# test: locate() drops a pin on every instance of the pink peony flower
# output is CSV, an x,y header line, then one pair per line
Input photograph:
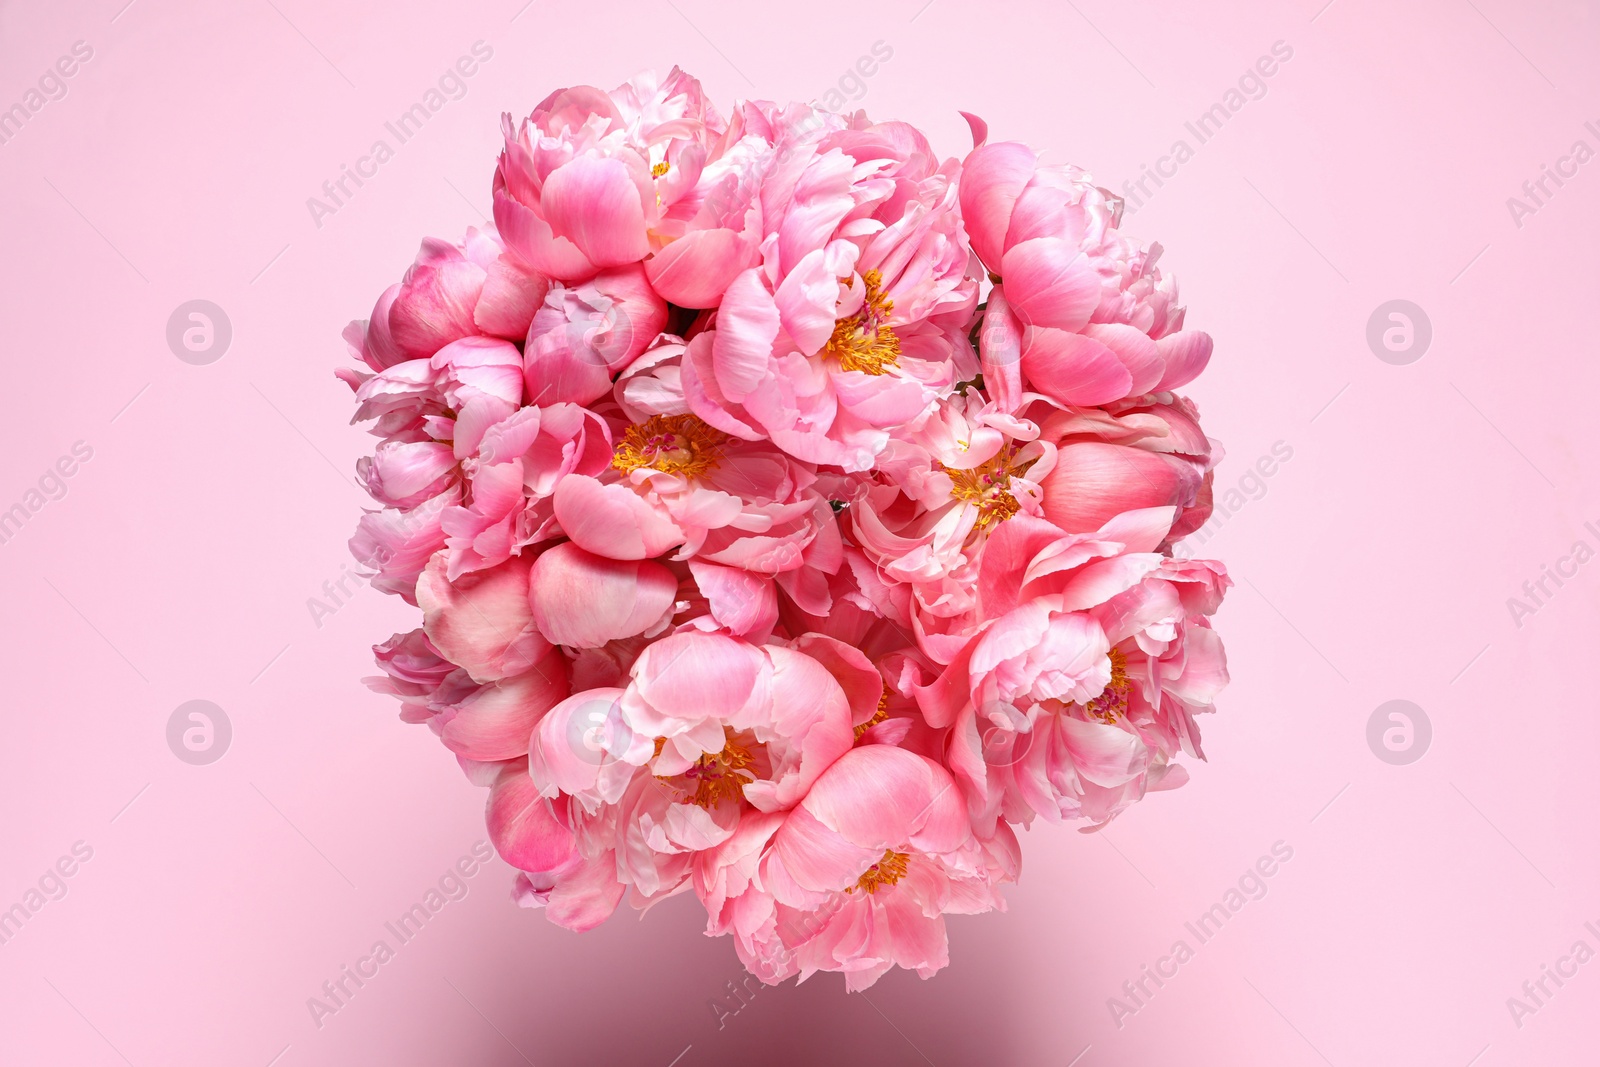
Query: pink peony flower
x,y
519,462
858,877
449,293
856,318
676,485
413,671
1128,457
403,474
586,178
670,766
586,332
1085,311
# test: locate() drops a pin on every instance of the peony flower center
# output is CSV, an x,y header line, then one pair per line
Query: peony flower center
x,y
865,341
887,871
1113,701
660,168
877,716
987,488
672,444
715,776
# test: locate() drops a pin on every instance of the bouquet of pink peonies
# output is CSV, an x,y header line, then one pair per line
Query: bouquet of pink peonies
x,y
791,517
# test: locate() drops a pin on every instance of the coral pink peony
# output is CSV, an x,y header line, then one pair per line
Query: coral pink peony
x,y
855,320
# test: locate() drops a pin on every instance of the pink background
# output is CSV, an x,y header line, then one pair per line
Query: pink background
x,y
1376,566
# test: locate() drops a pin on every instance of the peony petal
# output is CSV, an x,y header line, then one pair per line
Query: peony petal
x,y
1000,352
877,797
814,857
693,676
1092,482
747,325
979,128
594,203
582,600
1185,354
574,740
1205,667
1139,530
481,621
585,896
523,828
742,602
435,303
696,269
806,300
496,721
511,294
1073,369
992,178
1050,283
807,703
1106,755
612,520
531,236
1136,351
862,684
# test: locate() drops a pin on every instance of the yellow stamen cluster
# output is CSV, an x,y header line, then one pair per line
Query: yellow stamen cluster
x,y
715,776
1113,701
887,871
865,341
673,444
660,168
987,487
877,716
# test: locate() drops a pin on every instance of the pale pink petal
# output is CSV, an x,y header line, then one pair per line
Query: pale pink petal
x,y
563,369
511,294
978,127
1140,530
496,721
1205,667
693,676
1014,545
401,543
373,338
481,621
1000,351
1097,582
1185,354
876,796
586,895
1092,482
806,300
583,600
573,741
435,303
862,684
808,703
743,602
1104,754
747,324
531,236
612,520
814,857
